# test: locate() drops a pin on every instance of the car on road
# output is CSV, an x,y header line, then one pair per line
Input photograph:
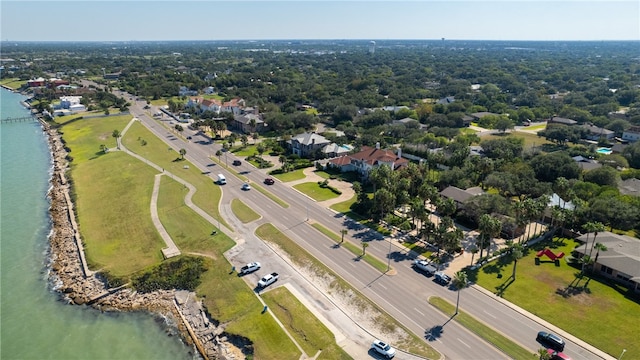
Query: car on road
x,y
246,187
269,181
237,162
424,266
188,137
550,341
383,348
558,355
442,278
249,268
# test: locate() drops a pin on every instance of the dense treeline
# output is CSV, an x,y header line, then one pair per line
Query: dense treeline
x,y
344,82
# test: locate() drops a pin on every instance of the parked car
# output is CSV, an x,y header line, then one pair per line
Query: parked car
x,y
425,267
269,181
188,137
551,341
237,162
249,268
442,278
246,187
558,355
383,348
268,280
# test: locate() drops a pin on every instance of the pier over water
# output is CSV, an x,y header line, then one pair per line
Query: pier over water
x,y
19,119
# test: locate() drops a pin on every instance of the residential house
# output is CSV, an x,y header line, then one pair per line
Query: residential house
x,y
630,187
36,82
560,120
446,100
112,76
368,158
586,164
620,262
334,150
185,91
71,103
395,109
234,106
480,115
460,196
632,134
245,124
209,90
307,144
596,133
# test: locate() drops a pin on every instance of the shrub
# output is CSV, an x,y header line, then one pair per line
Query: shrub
x,y
182,273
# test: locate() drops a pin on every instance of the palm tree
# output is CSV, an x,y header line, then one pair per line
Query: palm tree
x,y
245,140
365,245
489,228
183,152
343,232
252,124
516,254
598,246
460,281
596,228
473,250
544,354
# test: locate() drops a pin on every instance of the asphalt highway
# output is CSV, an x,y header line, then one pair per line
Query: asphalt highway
x,y
403,295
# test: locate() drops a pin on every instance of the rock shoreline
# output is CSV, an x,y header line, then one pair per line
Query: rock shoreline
x,y
180,309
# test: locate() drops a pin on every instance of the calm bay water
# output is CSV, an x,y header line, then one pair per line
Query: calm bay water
x,y
34,322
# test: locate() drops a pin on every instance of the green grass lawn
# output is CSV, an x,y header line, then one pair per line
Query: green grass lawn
x,y
13,83
112,195
245,151
290,176
530,140
316,192
207,195
409,342
588,313
243,212
345,206
309,332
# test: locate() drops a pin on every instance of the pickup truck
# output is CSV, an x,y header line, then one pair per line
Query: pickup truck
x,y
249,268
425,266
268,279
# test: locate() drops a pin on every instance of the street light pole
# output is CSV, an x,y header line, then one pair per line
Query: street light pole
x,y
307,209
623,351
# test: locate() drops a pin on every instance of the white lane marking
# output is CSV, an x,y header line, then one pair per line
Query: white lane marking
x,y
284,217
418,311
382,286
489,314
464,344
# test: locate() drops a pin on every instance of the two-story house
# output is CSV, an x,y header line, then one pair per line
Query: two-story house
x,y
307,144
368,158
632,134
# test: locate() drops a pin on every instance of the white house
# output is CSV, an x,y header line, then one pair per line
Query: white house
x,y
632,134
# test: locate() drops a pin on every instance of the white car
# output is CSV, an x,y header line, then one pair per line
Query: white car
x,y
246,187
249,268
383,348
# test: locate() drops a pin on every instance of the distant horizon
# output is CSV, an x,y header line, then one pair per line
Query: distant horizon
x,y
294,39
221,20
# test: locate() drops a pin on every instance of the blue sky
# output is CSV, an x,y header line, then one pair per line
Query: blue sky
x,y
305,19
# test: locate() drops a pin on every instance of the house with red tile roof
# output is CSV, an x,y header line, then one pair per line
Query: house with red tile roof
x,y
368,158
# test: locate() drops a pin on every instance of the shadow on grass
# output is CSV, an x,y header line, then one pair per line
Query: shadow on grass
x,y
503,287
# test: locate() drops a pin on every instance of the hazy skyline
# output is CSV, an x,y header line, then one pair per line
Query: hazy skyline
x,y
263,20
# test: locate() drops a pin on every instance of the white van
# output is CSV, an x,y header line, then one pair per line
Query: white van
x,y
221,179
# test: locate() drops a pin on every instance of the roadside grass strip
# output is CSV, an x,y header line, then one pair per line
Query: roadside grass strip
x,y
353,248
309,332
513,350
314,191
243,212
405,339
